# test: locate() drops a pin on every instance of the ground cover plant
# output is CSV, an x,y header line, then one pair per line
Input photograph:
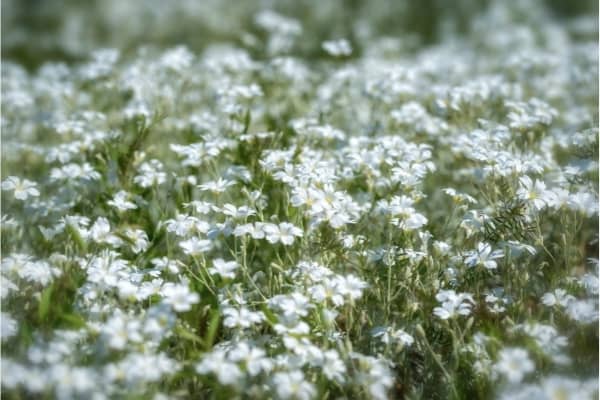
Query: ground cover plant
x,y
294,211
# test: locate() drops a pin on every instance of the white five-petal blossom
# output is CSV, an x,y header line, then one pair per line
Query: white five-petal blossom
x,y
22,188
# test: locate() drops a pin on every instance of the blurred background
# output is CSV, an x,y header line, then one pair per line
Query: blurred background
x,y
35,31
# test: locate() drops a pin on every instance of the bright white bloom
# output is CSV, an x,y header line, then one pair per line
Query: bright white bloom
x,y
71,382
138,238
100,232
225,269
290,325
164,264
186,225
22,189
351,286
514,364
291,385
558,297
120,330
584,311
216,187
495,304
149,174
8,326
453,304
327,290
177,59
237,212
216,362
39,272
195,246
106,269
534,192
150,288
333,367
6,287
74,171
257,230
459,197
389,335
484,256
140,368
120,201
374,375
565,388
292,306
252,357
340,47
590,283
241,318
284,233
179,296
547,338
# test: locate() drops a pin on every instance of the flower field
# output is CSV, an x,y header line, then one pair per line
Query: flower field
x,y
311,200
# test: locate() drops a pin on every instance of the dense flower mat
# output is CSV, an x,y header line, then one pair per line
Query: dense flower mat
x,y
380,221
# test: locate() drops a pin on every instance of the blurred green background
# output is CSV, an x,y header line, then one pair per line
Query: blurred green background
x,y
35,31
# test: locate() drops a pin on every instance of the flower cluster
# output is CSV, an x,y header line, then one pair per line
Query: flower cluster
x,y
292,212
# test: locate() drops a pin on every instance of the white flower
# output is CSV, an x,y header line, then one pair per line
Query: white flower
x,y
216,187
178,58
179,296
75,171
584,311
514,364
333,367
340,47
453,304
100,233
564,388
164,263
254,358
150,173
328,289
351,286
138,238
227,372
284,233
559,296
150,288
106,269
237,212
120,201
6,287
389,335
484,256
241,318
195,246
374,375
39,272
8,326
226,269
119,330
22,189
290,385
292,305
546,336
186,225
534,192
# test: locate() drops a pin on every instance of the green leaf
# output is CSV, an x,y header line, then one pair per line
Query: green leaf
x,y
189,335
247,120
74,320
45,298
211,332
